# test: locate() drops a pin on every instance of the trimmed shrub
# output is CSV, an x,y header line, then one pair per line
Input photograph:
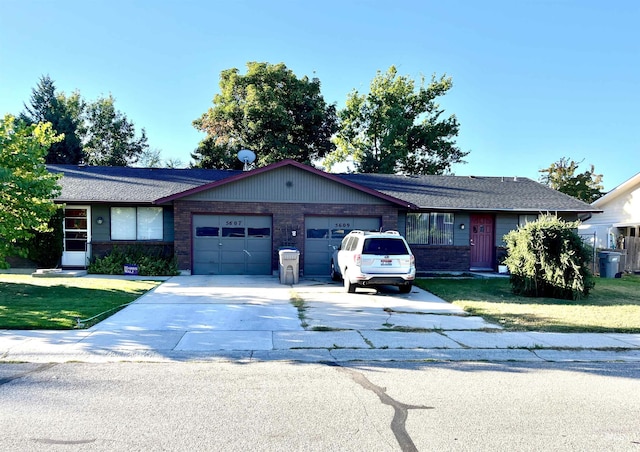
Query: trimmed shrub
x,y
149,262
45,248
547,258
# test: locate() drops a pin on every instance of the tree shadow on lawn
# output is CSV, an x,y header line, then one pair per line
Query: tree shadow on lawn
x,y
524,322
606,293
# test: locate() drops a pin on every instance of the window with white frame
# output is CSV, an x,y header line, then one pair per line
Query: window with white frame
x,y
430,228
149,223
524,219
136,223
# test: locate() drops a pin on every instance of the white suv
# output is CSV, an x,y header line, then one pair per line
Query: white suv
x,y
374,259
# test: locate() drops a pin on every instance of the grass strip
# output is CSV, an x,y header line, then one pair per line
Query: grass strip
x,y
57,303
613,306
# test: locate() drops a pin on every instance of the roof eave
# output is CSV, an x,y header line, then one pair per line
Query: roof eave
x,y
619,190
508,209
101,201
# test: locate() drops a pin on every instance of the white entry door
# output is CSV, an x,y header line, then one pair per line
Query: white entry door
x,y
77,230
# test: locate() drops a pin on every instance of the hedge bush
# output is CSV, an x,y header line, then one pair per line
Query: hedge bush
x,y
45,248
149,262
547,258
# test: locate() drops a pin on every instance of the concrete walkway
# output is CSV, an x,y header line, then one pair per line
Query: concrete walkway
x,y
253,318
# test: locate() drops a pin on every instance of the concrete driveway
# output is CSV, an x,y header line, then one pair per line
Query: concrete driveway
x,y
203,313
261,303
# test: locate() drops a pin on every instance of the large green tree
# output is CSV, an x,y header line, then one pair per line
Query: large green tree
x,y
210,154
28,189
398,128
93,132
152,158
65,115
563,176
270,111
110,138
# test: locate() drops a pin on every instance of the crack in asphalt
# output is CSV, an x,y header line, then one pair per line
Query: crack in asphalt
x,y
63,442
401,410
4,381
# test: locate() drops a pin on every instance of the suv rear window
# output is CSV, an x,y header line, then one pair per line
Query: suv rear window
x,y
384,246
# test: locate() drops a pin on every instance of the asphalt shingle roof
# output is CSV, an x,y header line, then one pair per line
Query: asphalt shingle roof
x,y
103,184
471,193
110,184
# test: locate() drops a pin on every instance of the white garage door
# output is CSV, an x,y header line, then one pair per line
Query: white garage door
x,y
324,234
231,245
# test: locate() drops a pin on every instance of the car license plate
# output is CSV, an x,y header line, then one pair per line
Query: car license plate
x,y
386,261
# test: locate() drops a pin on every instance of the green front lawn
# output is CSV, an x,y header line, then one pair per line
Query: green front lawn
x,y
56,303
612,306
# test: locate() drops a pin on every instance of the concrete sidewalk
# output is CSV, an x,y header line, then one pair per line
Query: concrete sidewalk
x,y
252,318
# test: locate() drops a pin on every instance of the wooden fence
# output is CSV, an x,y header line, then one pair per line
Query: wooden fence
x,y
632,248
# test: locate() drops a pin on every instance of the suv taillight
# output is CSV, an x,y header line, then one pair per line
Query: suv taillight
x,y
412,260
357,259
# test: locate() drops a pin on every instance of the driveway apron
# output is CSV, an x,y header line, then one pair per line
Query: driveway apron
x,y
197,313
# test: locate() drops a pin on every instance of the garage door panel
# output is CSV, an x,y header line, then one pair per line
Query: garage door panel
x,y
258,248
324,234
232,256
207,258
232,244
230,268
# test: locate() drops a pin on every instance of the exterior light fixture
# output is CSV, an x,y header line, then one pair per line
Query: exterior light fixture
x,y
99,220
461,225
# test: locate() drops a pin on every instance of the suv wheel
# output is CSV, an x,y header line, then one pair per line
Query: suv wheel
x,y
348,286
405,289
335,276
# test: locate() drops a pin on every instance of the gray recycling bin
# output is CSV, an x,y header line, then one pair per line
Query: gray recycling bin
x,y
609,263
289,265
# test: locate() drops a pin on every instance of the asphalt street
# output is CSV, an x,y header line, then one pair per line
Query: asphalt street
x,y
274,406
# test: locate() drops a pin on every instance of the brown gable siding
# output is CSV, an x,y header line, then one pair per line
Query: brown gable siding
x,y
286,184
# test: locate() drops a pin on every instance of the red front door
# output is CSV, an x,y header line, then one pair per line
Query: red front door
x,y
481,239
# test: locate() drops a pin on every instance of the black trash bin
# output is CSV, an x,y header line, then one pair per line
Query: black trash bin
x,y
609,263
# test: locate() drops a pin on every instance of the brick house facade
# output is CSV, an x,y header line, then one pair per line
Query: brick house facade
x,y
451,223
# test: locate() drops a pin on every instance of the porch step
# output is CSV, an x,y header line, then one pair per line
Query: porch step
x,y
57,273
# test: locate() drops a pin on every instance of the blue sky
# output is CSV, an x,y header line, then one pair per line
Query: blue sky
x,y
533,81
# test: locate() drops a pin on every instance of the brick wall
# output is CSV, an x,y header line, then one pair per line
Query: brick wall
x,y
441,258
286,218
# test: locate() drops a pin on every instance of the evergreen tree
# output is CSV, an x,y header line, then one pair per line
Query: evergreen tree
x,y
65,115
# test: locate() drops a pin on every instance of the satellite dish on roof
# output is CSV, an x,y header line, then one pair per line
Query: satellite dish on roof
x,y
247,157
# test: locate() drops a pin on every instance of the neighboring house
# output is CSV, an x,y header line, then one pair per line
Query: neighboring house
x,y
234,222
618,226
